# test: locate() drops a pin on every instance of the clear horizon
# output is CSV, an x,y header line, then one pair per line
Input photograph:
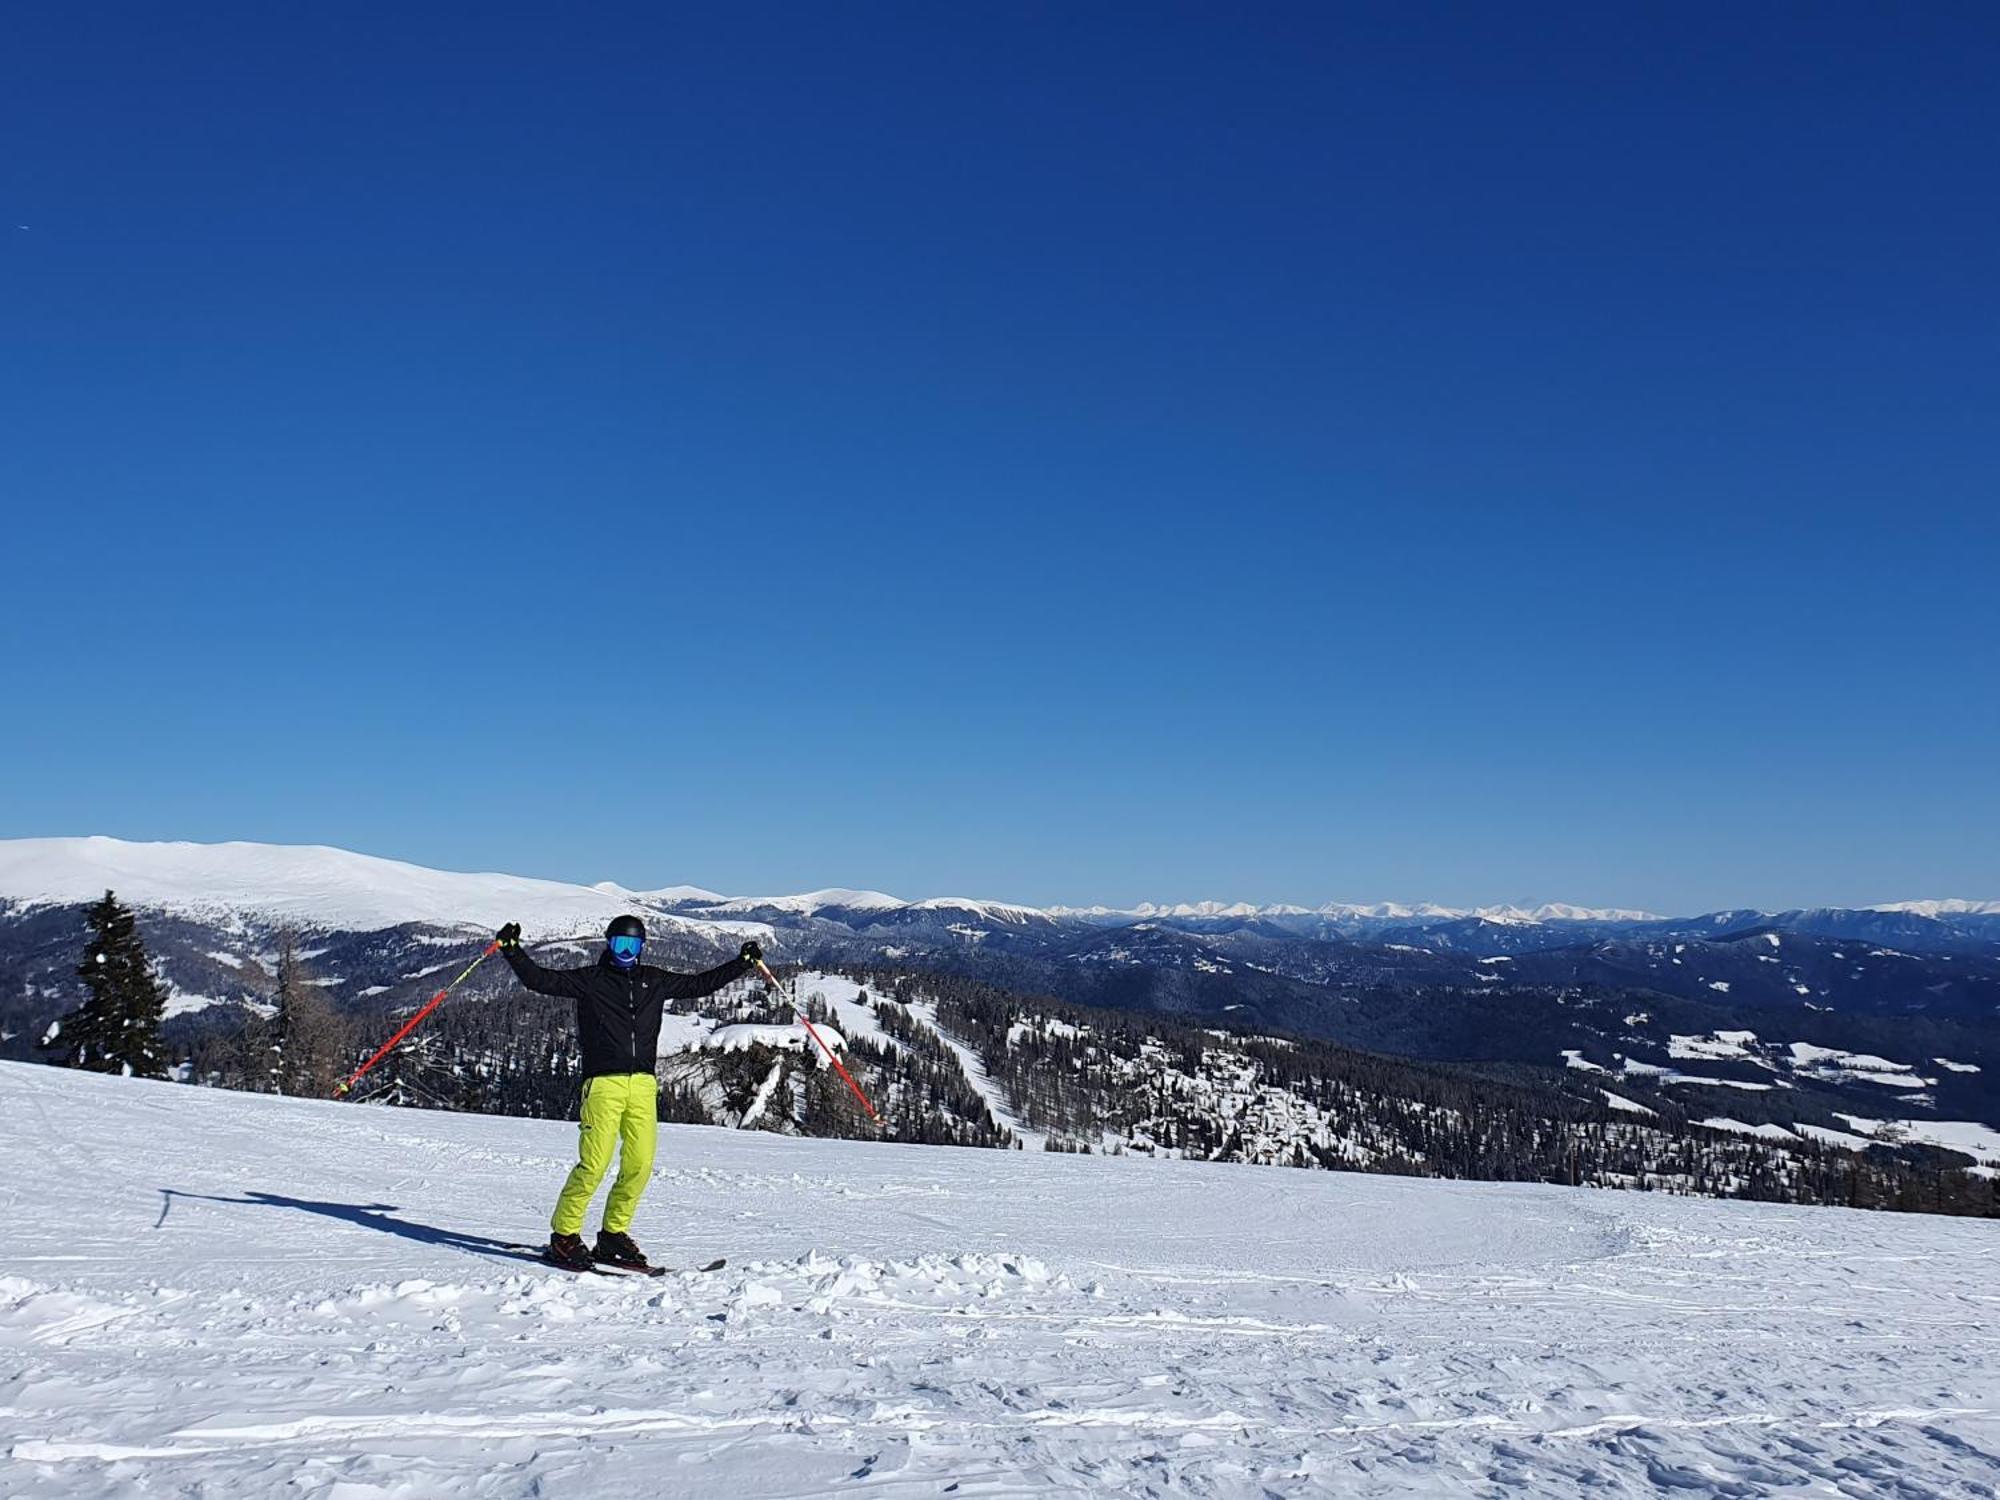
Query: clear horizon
x,y
1073,457
1407,900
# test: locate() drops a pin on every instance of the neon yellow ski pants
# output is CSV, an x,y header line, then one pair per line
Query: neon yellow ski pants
x,y
620,1113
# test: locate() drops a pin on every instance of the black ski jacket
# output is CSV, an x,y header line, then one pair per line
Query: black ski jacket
x,y
618,1010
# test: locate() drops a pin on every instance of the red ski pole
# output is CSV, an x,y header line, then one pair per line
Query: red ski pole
x,y
812,1031
411,1024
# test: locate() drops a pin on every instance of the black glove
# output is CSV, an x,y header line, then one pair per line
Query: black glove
x,y
750,953
509,936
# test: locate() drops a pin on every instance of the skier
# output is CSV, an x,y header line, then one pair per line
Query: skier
x,y
618,1004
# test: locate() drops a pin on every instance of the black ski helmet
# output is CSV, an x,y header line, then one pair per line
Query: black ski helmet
x,y
625,927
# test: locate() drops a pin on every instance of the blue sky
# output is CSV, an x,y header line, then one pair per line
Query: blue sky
x,y
1051,452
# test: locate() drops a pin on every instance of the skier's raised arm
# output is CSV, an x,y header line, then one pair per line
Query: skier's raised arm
x,y
708,981
566,984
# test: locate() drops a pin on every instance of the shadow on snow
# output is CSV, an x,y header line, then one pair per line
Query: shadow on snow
x,y
376,1216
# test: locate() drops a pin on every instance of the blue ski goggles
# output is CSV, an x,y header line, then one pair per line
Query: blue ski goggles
x,y
625,949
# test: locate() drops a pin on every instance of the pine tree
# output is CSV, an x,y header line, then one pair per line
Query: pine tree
x,y
259,1055
117,1028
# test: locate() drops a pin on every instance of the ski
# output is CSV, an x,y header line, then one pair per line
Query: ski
x,y
562,1265
613,1266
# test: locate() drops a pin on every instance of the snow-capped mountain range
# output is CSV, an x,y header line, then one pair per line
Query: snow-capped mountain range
x,y
332,887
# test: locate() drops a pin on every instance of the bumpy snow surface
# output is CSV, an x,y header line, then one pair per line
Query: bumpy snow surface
x,y
215,1294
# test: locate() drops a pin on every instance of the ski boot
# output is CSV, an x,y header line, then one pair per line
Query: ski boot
x,y
568,1251
618,1249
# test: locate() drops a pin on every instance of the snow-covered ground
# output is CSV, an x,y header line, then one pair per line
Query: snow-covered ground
x,y
214,1294
1980,1142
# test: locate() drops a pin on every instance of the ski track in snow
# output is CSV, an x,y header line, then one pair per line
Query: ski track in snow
x,y
207,1294
982,1083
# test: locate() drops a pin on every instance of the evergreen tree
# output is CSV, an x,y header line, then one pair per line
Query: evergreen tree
x,y
117,1028
260,1060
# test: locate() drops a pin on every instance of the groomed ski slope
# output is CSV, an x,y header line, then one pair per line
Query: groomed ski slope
x,y
217,1294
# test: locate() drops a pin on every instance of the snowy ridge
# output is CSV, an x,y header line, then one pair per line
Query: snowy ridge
x,y
998,911
1942,908
897,1321
1376,911
808,902
305,883
665,896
